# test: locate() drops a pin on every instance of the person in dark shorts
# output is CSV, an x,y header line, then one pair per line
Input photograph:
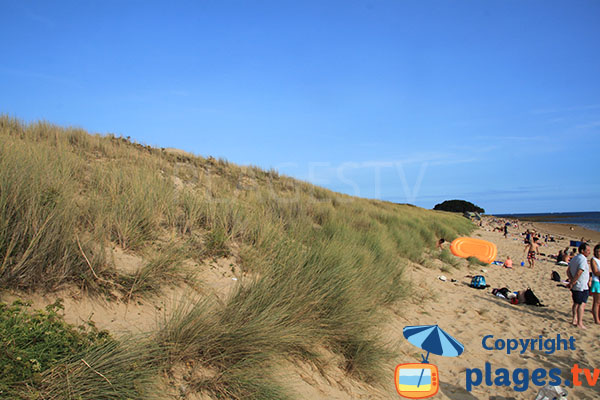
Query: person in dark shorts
x,y
579,275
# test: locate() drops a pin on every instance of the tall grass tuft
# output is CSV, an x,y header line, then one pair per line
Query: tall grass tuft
x,y
164,266
448,258
39,218
129,204
125,369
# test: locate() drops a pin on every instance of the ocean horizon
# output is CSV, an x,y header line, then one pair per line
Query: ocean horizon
x,y
589,219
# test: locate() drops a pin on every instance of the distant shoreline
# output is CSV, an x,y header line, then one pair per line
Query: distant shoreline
x,y
570,231
538,218
590,221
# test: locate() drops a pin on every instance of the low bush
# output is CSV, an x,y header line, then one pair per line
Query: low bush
x,y
43,357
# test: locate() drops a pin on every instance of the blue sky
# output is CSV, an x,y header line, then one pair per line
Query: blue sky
x,y
495,102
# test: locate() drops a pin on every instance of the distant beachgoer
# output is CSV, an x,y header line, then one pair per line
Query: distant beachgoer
x,y
440,243
573,254
532,250
579,276
562,257
505,230
595,289
508,263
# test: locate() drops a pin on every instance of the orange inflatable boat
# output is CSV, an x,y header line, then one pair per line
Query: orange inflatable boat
x,y
469,247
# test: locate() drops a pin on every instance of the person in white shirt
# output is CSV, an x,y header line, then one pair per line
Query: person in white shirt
x,y
579,276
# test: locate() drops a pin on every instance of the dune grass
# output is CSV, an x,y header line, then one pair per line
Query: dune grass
x,y
116,369
42,357
448,258
323,263
474,261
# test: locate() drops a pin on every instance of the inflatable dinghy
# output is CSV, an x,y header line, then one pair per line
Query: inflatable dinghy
x,y
466,247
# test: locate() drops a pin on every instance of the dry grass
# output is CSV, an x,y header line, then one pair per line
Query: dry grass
x,y
327,262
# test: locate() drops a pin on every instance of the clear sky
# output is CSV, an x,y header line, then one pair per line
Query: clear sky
x,y
494,102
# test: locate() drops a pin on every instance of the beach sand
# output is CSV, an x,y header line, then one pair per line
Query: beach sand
x,y
469,315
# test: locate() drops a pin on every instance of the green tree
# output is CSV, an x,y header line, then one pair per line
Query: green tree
x,y
458,206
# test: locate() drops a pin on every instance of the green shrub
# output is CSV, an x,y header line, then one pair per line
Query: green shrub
x,y
43,357
32,343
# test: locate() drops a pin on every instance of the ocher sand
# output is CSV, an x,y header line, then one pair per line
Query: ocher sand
x,y
470,314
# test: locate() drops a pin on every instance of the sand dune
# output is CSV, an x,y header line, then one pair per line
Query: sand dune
x,y
465,313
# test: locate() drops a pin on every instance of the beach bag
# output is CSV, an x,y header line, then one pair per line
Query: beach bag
x,y
555,276
531,299
478,282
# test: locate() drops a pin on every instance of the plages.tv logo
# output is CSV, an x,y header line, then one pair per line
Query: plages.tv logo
x,y
421,380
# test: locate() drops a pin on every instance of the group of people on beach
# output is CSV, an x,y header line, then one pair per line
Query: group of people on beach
x,y
583,274
584,277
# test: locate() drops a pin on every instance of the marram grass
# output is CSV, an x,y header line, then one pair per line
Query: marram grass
x,y
323,263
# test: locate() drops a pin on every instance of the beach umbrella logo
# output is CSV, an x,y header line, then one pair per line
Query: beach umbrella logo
x,y
421,380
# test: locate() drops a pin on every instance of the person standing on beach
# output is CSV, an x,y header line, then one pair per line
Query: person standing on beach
x,y
579,276
505,230
527,237
595,288
532,249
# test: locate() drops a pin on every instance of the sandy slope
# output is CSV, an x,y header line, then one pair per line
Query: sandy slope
x,y
465,313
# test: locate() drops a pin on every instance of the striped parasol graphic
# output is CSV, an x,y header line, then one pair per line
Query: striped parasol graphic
x,y
432,339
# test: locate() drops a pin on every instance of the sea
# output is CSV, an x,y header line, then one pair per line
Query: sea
x,y
589,220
